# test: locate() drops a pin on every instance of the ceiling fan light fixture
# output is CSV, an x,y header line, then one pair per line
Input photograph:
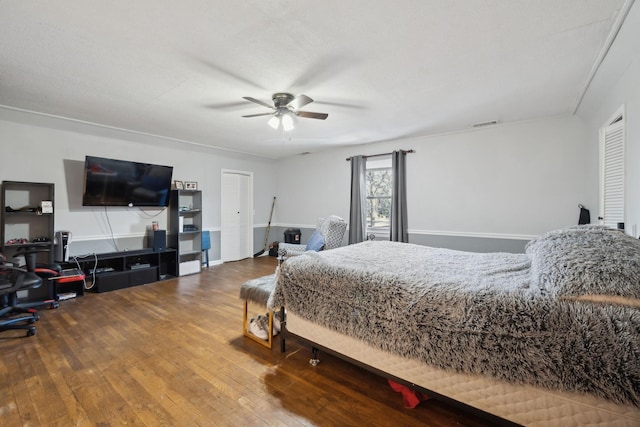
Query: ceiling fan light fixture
x,y
284,109
287,123
274,122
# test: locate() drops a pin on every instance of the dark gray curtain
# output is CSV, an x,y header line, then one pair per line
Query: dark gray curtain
x,y
399,224
357,215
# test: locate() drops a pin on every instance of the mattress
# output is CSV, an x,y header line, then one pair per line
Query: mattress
x,y
479,313
522,404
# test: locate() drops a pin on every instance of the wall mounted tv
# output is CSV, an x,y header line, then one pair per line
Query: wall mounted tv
x,y
110,182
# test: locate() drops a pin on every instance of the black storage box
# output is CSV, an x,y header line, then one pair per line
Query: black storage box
x,y
292,235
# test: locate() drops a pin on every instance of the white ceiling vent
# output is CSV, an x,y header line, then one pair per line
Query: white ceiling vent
x,y
485,124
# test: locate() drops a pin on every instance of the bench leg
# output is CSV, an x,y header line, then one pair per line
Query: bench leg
x,y
245,327
283,327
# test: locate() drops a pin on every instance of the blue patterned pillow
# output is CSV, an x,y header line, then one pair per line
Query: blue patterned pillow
x,y
316,242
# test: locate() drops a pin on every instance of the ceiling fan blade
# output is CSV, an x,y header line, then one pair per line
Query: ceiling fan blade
x,y
257,101
227,105
258,115
310,115
299,101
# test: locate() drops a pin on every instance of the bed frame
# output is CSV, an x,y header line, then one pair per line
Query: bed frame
x,y
500,402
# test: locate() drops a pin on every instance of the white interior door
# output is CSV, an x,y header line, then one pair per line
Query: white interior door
x,y
612,173
236,234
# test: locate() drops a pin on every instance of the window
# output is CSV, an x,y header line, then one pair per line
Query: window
x,y
612,174
379,186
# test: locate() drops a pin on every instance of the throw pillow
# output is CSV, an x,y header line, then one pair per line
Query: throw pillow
x,y
316,242
586,260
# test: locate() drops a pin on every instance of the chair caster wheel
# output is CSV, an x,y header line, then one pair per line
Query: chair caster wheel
x,y
314,362
31,331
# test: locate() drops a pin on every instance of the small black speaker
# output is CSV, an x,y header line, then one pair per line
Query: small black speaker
x,y
158,240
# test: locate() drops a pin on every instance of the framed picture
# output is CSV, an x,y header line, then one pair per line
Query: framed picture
x,y
179,185
46,206
190,185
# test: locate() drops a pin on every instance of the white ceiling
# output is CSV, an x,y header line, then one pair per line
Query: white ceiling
x,y
382,70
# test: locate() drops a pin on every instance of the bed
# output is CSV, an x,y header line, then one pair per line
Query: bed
x,y
548,337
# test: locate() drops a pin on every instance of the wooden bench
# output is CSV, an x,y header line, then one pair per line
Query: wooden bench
x,y
257,291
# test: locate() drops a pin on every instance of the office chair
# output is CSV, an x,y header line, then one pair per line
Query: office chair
x,y
44,271
14,315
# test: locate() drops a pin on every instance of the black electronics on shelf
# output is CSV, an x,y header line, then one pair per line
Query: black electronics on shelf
x,y
116,270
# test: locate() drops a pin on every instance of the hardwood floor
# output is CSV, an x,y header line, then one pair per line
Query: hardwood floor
x,y
172,353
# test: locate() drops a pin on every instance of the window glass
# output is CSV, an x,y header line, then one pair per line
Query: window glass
x,y
379,187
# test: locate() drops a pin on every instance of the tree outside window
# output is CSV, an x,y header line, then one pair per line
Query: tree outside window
x,y
379,187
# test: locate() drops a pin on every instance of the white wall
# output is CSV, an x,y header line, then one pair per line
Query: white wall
x,y
617,83
511,181
43,149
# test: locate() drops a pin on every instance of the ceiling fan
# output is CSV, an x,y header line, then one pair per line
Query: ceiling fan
x,y
284,106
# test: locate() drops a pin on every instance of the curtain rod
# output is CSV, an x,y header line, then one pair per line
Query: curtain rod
x,y
382,154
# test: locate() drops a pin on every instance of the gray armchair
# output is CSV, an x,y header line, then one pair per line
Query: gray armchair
x,y
328,235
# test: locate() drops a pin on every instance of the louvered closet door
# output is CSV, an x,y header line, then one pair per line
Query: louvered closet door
x,y
612,174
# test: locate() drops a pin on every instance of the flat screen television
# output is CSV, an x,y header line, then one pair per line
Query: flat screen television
x,y
111,182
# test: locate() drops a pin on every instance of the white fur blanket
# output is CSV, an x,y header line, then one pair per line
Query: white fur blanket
x,y
469,312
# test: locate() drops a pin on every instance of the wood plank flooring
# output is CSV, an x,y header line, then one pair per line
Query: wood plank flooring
x,y
172,354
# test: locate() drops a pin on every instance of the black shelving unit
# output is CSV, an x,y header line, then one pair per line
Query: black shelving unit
x,y
27,223
185,230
